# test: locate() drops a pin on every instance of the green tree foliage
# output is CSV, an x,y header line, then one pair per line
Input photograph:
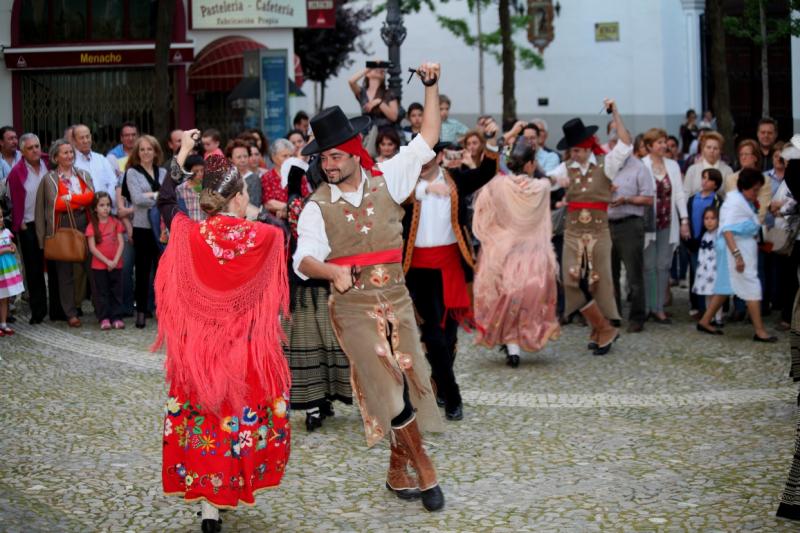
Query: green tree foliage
x,y
323,52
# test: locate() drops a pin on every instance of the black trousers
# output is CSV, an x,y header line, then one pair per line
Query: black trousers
x,y
107,293
427,293
33,259
627,246
146,252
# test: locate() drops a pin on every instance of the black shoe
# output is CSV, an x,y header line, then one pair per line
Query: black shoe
x,y
605,349
439,402
141,322
591,346
210,525
769,339
405,494
35,320
326,410
313,421
433,499
512,361
700,327
456,413
616,322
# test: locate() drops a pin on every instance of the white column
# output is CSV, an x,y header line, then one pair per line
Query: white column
x,y
692,10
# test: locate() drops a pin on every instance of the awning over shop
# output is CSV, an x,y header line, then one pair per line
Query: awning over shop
x,y
219,66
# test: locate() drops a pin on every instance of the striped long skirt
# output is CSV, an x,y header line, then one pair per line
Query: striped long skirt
x,y
320,370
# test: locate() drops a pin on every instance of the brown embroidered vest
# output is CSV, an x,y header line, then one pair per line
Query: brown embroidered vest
x,y
594,187
373,226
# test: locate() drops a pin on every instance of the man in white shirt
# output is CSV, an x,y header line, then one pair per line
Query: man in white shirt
x,y
103,175
439,261
586,262
350,233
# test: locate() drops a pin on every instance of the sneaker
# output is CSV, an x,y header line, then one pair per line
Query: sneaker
x,y
105,324
119,324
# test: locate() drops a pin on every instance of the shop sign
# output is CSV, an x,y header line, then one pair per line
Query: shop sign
x,y
63,57
321,14
230,14
606,31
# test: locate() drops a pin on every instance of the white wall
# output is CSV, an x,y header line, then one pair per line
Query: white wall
x,y
6,114
644,71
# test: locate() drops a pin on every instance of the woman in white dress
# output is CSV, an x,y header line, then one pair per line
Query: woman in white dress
x,y
737,255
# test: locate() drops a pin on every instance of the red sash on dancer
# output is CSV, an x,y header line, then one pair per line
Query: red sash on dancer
x,y
383,257
447,259
576,206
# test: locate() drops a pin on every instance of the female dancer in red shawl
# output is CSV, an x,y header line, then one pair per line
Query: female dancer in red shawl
x,y
220,288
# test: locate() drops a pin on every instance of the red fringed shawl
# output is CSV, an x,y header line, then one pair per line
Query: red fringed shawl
x,y
220,289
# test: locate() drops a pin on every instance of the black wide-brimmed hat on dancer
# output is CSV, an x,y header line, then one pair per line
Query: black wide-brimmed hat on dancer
x,y
331,128
575,134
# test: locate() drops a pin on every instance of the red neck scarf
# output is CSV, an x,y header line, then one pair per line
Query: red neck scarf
x,y
592,144
355,146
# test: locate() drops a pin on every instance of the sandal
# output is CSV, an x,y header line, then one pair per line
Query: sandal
x,y
7,331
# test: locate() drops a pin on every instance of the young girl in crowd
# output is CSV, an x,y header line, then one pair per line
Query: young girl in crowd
x,y
706,274
10,276
106,242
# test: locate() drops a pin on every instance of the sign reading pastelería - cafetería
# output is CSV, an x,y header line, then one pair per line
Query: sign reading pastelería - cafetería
x,y
221,14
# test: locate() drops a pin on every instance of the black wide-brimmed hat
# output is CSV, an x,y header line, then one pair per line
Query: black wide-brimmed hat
x,y
331,128
575,133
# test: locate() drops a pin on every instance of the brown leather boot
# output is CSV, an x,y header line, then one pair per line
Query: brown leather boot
x,y
397,478
409,438
606,334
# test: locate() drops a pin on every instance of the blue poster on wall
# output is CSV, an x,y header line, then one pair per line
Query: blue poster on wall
x,y
275,93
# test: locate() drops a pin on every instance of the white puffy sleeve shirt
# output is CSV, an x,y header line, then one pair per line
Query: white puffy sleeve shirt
x,y
400,172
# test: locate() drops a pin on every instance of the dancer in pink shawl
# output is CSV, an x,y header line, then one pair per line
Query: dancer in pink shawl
x,y
515,282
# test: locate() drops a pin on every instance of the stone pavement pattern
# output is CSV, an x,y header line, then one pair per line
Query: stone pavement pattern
x,y
673,431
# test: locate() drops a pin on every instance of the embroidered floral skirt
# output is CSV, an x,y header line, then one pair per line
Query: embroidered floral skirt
x,y
224,460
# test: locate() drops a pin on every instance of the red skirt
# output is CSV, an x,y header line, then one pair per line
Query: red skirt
x,y
224,460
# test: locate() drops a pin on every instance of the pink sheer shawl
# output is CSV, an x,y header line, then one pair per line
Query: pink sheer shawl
x,y
515,282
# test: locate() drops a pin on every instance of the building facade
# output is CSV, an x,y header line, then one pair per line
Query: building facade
x,y
91,61
651,59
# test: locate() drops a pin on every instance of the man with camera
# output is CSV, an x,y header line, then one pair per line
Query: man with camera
x,y
350,233
439,260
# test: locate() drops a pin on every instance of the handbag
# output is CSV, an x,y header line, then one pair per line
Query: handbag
x,y
67,244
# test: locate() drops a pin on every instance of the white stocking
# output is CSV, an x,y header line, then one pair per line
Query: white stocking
x,y
513,349
209,511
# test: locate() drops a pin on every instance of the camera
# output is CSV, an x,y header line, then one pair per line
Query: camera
x,y
380,64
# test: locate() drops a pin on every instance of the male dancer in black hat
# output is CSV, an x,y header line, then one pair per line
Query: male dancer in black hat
x,y
586,263
350,233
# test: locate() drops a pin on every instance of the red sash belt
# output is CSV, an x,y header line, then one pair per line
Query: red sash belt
x,y
447,259
575,206
383,257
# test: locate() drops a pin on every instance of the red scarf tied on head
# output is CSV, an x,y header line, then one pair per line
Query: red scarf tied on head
x,y
592,144
355,146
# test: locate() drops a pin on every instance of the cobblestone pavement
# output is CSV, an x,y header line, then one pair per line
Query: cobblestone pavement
x,y
673,431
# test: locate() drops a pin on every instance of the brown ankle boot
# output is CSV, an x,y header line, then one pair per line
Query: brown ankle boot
x,y
606,334
397,478
409,438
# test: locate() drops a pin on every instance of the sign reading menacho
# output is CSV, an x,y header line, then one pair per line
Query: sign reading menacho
x,y
221,14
